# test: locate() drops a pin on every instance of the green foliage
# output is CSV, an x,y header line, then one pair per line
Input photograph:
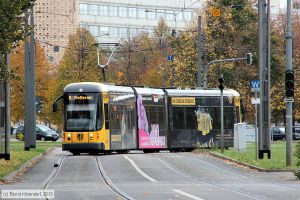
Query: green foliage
x,y
19,157
79,64
297,154
12,28
277,161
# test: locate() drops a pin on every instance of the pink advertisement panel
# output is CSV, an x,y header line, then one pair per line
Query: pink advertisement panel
x,y
148,139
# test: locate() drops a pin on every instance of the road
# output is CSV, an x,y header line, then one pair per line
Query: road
x,y
159,176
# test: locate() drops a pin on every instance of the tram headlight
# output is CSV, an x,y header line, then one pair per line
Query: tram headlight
x,y
69,135
91,134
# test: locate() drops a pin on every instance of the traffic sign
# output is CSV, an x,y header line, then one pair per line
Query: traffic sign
x,y
255,101
289,100
170,57
216,12
255,85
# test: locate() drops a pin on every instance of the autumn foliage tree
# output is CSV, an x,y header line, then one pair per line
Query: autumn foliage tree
x,y
79,64
42,78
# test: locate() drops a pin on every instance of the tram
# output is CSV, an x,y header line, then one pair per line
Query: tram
x,y
101,117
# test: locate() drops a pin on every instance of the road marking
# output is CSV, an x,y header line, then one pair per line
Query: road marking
x,y
187,194
140,171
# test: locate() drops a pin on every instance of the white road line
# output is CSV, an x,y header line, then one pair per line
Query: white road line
x,y
187,194
140,171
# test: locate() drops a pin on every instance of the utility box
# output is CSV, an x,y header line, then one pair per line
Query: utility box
x,y
240,137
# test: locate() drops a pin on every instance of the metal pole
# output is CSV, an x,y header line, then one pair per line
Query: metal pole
x,y
205,61
7,113
173,73
32,84
256,135
264,112
289,104
164,61
199,52
268,136
27,93
222,119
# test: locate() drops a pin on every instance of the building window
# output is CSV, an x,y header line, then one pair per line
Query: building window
x,y
93,9
141,13
113,32
103,10
180,16
151,15
187,16
169,15
133,32
113,11
103,30
123,32
83,8
123,12
132,12
94,30
160,14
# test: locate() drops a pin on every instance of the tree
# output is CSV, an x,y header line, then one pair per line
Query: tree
x,y
79,64
12,28
42,77
140,59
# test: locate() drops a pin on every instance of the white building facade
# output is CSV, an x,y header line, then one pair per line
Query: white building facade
x,y
112,20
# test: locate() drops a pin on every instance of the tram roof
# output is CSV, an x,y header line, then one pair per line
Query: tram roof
x,y
96,87
197,92
149,91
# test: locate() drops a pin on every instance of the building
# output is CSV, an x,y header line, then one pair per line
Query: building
x,y
112,20
55,20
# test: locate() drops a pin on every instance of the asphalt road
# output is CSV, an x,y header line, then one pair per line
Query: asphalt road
x,y
159,176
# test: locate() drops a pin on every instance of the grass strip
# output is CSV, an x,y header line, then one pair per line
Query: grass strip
x,y
19,156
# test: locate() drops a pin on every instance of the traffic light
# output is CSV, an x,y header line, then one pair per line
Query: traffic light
x,y
39,104
221,81
174,33
289,83
249,58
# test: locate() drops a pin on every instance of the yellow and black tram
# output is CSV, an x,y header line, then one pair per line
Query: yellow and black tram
x,y
101,117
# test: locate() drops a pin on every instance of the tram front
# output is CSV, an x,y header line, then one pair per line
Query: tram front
x,y
83,118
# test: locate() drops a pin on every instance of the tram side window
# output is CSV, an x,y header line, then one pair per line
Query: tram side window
x,y
178,117
228,117
190,118
106,116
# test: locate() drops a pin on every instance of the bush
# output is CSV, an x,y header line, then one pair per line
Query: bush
x,y
20,136
297,153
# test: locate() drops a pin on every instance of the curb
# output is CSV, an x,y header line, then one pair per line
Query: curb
x,y
247,165
13,176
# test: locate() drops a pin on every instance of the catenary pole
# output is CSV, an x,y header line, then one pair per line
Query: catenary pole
x,y
199,52
289,56
222,118
27,89
32,84
7,112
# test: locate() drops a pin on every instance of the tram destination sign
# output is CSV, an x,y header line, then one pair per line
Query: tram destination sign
x,y
183,101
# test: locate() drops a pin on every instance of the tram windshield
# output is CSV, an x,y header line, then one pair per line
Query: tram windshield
x,y
82,112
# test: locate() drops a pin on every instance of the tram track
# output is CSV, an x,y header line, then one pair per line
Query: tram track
x,y
109,183
57,167
245,194
254,179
